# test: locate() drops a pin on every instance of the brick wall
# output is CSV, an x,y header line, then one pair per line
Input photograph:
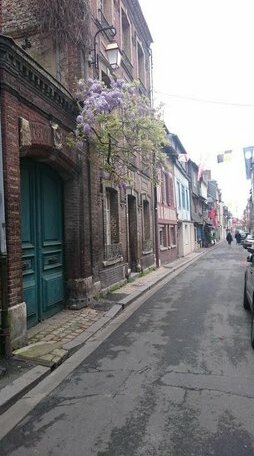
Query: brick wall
x,y
17,17
10,131
64,161
62,61
83,195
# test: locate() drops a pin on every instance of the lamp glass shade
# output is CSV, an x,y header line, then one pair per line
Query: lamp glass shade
x,y
114,55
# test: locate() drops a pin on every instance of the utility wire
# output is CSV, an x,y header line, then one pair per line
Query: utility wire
x,y
202,100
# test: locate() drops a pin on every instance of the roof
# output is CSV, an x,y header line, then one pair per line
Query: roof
x,y
140,20
176,141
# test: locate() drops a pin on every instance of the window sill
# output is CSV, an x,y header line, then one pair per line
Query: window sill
x,y
147,252
162,248
111,262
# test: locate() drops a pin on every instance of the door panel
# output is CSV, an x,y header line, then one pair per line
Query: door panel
x,y
29,266
42,241
51,250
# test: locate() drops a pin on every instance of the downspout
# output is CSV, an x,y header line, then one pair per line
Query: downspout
x,y
5,344
156,227
155,201
90,204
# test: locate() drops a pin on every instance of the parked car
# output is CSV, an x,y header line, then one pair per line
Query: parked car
x,y
243,234
248,241
248,293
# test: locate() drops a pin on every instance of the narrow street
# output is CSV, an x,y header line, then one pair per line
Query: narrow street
x,y
175,379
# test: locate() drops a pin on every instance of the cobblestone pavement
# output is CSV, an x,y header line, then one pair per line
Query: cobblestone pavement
x,y
64,326
46,341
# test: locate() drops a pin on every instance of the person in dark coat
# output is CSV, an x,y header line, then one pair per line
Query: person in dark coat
x,y
229,238
238,237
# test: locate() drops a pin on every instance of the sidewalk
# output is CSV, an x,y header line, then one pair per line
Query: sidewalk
x,y
57,338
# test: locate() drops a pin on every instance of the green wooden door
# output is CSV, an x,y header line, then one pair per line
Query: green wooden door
x,y
42,241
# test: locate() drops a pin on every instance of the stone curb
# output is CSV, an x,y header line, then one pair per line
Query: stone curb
x,y
11,393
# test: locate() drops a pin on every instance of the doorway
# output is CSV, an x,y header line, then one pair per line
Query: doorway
x,y
42,240
132,227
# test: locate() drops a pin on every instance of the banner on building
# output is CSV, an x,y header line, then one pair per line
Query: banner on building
x,y
225,157
248,158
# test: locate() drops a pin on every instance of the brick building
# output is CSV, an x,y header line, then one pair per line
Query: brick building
x,y
69,231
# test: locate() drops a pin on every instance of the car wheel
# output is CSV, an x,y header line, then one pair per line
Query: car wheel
x,y
252,330
246,303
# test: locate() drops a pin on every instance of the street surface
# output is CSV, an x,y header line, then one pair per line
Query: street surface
x,y
176,379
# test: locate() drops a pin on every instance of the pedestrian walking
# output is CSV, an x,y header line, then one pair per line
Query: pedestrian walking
x,y
229,238
238,237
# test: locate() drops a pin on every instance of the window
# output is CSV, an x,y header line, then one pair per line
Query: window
x,y
163,187
105,12
179,195
51,56
146,214
172,236
111,217
187,199
126,35
166,179
162,236
105,78
171,191
83,66
183,197
141,64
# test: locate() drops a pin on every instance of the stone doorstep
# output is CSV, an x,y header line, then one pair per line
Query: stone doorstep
x,y
48,354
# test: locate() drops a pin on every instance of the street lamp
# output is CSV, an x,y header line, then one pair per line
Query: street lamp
x,y
112,51
114,55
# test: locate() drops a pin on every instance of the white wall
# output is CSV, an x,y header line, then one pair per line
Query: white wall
x,y
182,195
185,239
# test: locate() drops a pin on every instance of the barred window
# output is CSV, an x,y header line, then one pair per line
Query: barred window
x,y
111,217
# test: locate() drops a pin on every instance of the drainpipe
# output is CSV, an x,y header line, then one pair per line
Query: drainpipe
x,y
90,203
5,344
156,227
155,202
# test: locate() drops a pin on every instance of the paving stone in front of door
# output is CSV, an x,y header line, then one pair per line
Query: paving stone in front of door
x,y
46,340
46,353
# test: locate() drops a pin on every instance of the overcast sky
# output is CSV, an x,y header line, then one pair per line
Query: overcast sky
x,y
203,56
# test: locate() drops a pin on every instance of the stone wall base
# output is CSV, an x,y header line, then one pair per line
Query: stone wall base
x,y
18,325
81,292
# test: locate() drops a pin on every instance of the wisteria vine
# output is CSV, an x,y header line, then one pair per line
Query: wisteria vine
x,y
120,126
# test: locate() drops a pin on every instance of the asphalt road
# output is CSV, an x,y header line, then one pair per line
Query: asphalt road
x,y
175,379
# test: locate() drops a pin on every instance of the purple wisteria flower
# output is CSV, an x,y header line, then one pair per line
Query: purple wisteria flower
x,y
79,119
87,129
